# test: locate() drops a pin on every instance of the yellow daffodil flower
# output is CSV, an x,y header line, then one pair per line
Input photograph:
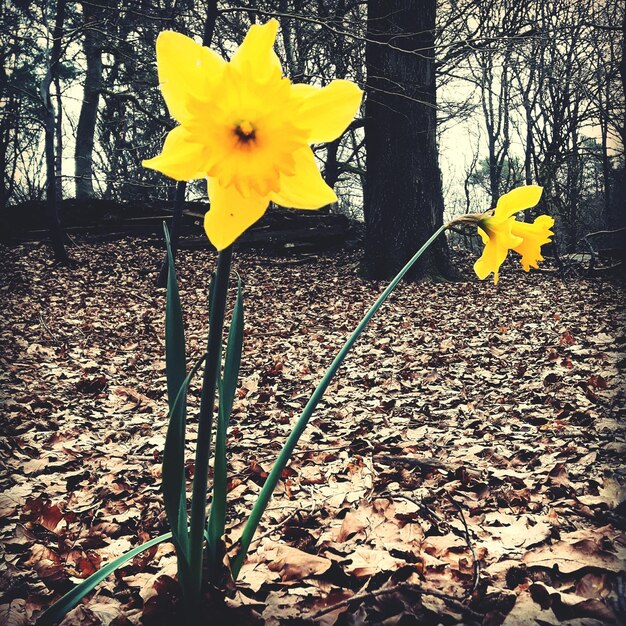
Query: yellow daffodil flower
x,y
501,232
246,128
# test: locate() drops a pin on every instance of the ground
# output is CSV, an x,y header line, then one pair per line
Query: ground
x,y
465,467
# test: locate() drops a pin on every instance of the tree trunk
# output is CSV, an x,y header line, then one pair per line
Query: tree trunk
x,y
5,125
85,132
331,170
403,195
491,121
57,234
177,218
606,164
529,148
58,129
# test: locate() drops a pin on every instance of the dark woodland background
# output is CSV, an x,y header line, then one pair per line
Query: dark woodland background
x,y
540,85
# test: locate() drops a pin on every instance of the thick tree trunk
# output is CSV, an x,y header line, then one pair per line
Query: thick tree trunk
x,y
85,132
403,195
57,234
606,167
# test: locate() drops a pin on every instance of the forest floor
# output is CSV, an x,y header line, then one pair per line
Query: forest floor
x,y
465,467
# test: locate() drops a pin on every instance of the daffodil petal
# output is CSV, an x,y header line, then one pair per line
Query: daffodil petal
x,y
231,213
327,111
306,189
255,56
533,237
186,70
498,240
517,200
181,158
483,235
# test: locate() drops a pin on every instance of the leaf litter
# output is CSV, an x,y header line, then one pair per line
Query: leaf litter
x,y
465,467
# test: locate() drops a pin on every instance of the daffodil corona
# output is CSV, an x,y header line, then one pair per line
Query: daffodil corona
x,y
501,232
246,128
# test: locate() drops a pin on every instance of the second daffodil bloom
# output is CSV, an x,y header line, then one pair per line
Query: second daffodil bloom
x,y
246,128
501,232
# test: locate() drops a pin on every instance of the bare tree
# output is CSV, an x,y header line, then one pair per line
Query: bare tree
x,y
57,233
93,28
606,95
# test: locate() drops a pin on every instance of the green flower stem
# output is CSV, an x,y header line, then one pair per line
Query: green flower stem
x,y
285,454
227,388
205,420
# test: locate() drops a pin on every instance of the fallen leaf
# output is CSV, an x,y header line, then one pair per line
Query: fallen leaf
x,y
294,564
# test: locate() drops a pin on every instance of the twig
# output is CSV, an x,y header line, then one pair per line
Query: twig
x,y
46,327
476,563
432,515
369,595
604,232
133,294
73,241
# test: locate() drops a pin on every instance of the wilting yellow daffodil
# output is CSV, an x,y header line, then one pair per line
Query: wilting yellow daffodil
x,y
501,232
246,128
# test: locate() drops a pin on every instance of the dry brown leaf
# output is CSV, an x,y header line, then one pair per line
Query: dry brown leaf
x,y
14,613
47,564
294,564
365,562
572,557
527,612
354,522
